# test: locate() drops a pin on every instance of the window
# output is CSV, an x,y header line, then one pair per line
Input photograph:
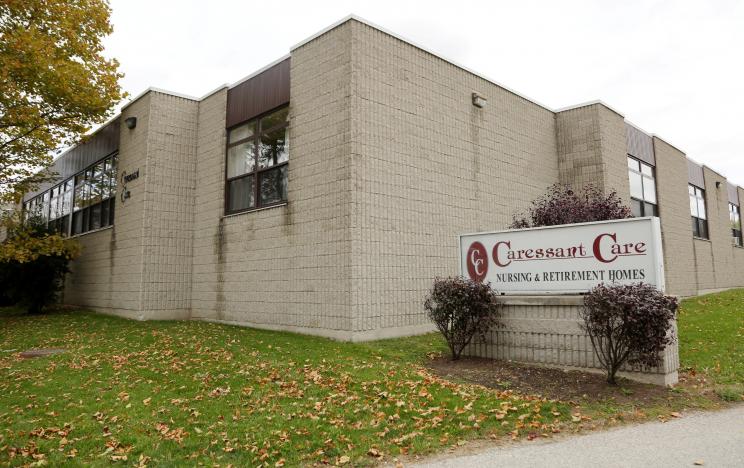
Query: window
x,y
642,188
257,159
697,209
95,197
735,217
79,204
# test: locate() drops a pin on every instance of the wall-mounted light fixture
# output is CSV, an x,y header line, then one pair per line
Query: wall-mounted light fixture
x,y
479,101
718,184
131,122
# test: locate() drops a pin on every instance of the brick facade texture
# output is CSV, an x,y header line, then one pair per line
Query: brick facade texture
x,y
389,162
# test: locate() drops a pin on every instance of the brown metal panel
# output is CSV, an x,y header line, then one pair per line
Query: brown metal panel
x,y
261,93
640,145
733,193
695,174
99,145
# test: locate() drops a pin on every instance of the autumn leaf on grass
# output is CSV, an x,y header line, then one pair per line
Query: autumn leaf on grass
x,y
171,434
219,391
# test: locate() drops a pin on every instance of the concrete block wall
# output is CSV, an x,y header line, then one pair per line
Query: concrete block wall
x,y
719,250
674,216
207,297
592,148
427,165
546,331
286,267
108,274
169,176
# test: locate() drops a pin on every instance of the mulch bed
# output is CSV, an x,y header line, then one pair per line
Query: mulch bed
x,y
552,383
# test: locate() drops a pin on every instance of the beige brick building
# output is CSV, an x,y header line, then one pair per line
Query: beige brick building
x,y
323,193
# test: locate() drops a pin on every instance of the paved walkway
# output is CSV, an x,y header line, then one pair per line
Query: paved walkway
x,y
714,439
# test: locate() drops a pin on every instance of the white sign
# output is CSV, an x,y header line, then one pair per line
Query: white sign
x,y
571,258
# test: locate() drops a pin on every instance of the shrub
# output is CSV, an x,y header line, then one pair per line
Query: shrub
x,y
563,205
628,323
33,263
461,309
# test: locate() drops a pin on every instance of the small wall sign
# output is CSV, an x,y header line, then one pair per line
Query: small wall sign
x,y
125,179
128,177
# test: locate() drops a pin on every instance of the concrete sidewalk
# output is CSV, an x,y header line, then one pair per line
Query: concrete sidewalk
x,y
715,439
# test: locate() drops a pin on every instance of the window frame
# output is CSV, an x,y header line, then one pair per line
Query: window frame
x,y
65,222
699,224
257,170
644,202
736,234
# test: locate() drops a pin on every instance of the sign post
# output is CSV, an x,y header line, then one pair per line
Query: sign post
x,y
566,259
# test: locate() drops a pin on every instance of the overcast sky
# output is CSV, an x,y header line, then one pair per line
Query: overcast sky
x,y
673,68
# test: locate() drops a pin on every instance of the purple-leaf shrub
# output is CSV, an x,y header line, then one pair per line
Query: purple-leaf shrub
x,y
564,205
628,323
462,309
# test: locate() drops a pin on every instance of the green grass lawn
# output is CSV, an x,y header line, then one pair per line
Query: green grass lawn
x,y
711,331
174,393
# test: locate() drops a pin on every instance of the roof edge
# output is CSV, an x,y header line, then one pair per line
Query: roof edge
x,y
420,47
259,71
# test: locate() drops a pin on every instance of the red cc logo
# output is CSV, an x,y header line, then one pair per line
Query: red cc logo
x,y
477,261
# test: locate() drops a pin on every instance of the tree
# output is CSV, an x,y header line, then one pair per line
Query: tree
x,y
628,323
461,309
55,83
33,262
563,205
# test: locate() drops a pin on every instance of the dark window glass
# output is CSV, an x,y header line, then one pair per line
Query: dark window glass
x,y
273,149
275,119
650,209
273,186
642,188
64,224
105,213
77,222
95,216
114,175
89,196
636,206
257,158
112,206
698,212
735,218
241,193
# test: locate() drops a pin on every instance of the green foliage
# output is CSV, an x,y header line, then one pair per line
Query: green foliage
x,y
628,323
461,309
711,336
55,83
33,263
